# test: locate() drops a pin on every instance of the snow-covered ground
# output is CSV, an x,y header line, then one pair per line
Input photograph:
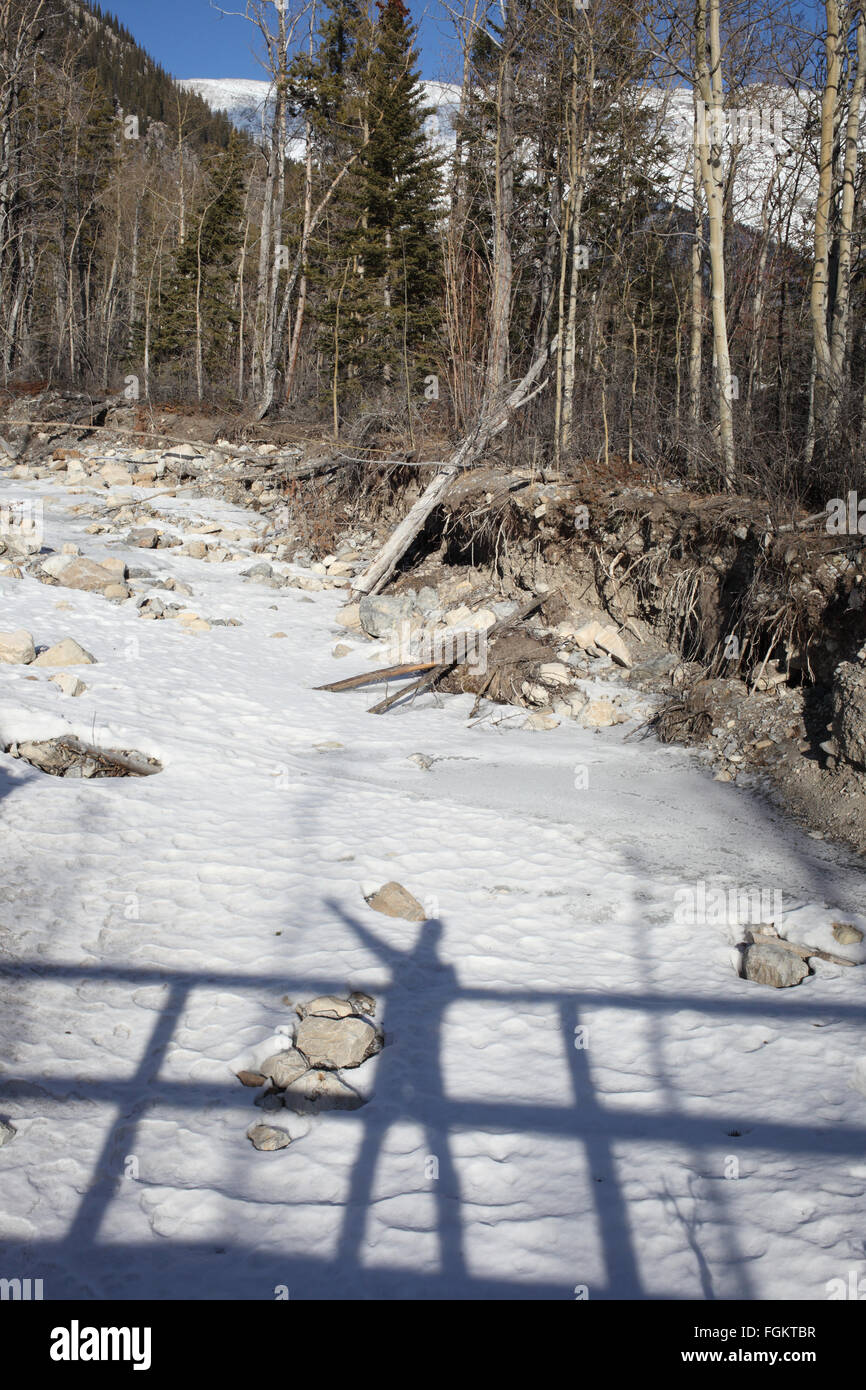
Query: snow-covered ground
x,y
577,1090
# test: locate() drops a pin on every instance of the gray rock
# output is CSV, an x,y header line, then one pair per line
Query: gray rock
x,y
7,1133
849,712
284,1068
362,1003
381,614
326,1006
266,1139
774,966
332,1043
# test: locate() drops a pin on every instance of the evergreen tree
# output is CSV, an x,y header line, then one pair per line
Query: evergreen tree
x,y
199,297
375,262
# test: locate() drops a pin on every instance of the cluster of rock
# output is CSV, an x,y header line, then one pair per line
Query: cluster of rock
x,y
333,1035
766,958
431,621
18,649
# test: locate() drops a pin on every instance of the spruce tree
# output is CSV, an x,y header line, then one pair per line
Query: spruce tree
x,y
201,284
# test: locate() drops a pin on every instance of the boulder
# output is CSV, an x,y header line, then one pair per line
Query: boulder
x,y
326,1006
284,1067
16,648
84,574
395,901
598,714
332,1043
65,653
849,712
382,614
7,1133
774,966
610,641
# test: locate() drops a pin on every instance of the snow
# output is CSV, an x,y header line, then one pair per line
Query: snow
x,y
770,123
570,1078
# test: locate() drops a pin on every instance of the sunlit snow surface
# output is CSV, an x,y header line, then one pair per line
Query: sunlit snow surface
x,y
572,1080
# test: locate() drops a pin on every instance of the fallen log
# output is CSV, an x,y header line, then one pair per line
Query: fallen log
x,y
492,423
443,668
383,674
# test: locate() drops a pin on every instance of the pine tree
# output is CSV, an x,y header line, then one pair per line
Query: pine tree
x,y
375,261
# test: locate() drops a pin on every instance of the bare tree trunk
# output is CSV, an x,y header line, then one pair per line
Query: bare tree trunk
x,y
491,424
709,87
503,212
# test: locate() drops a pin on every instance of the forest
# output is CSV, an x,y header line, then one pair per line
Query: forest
x,y
659,203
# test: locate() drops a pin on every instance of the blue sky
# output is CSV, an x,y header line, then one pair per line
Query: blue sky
x,y
190,39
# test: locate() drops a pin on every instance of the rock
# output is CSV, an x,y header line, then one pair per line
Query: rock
x,y
68,684
586,634
65,653
83,574
115,474
394,901
570,704
332,1043
381,614
598,714
251,1078
849,712
773,965
847,935
554,673
115,565
278,634
362,1003
321,1090
284,1067
7,1133
610,641
116,591
266,1139
350,617
196,549
16,648
326,1006
541,720
341,650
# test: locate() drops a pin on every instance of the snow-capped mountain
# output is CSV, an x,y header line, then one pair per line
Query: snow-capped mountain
x,y
768,132
246,100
